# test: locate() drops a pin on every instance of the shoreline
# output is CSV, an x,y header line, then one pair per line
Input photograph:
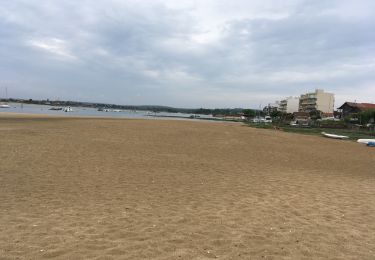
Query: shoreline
x,y
171,118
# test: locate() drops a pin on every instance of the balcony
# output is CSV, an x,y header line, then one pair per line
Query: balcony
x,y
306,103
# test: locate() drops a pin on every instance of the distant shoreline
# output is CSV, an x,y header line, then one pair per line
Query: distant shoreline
x,y
152,108
6,114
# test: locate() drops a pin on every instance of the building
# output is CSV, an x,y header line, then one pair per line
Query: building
x,y
271,108
327,115
317,100
301,118
289,105
353,108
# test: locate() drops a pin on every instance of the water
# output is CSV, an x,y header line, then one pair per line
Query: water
x,y
91,112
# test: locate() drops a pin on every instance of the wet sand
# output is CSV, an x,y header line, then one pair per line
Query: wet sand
x,y
74,188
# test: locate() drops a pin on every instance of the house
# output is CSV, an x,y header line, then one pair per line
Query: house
x,y
301,118
238,117
327,115
301,115
337,114
234,117
349,108
317,100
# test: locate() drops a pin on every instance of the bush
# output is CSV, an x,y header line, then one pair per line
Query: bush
x,y
367,116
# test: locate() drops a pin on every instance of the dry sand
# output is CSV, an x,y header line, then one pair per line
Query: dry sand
x,y
155,189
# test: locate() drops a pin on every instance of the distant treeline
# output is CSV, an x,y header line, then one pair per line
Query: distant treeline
x,y
153,108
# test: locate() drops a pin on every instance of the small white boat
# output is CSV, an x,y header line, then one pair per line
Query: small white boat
x,y
335,136
5,104
268,119
366,141
68,109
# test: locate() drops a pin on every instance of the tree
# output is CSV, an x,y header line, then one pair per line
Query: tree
x,y
276,114
315,114
367,116
248,112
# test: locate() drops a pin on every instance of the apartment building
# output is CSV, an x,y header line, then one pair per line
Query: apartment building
x,y
317,100
271,108
289,105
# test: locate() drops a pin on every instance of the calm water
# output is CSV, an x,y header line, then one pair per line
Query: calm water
x,y
84,111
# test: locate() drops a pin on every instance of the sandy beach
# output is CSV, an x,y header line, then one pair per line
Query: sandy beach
x,y
76,188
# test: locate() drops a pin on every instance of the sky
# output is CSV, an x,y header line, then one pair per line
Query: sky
x,y
186,53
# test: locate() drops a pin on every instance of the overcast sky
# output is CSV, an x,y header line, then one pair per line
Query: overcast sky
x,y
204,53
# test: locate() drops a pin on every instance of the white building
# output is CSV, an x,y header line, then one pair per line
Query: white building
x,y
289,105
318,100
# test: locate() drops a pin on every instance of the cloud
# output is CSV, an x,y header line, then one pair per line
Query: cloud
x,y
187,53
59,48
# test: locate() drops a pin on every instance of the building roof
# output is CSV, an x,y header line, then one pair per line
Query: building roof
x,y
301,114
360,106
327,114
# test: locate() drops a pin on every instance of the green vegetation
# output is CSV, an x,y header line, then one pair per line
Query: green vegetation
x,y
277,114
315,114
365,117
249,113
353,134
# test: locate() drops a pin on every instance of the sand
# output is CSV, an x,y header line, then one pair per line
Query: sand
x,y
75,188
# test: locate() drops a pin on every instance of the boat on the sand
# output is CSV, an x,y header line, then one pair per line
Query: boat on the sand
x,y
335,136
366,141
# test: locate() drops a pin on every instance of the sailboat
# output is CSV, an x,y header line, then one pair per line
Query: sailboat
x,y
67,109
5,105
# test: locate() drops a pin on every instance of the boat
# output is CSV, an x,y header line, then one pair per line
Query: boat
x,y
55,108
4,106
335,136
67,109
366,141
268,119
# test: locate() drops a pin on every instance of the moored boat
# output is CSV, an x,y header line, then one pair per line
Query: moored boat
x,y
4,106
56,108
67,109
